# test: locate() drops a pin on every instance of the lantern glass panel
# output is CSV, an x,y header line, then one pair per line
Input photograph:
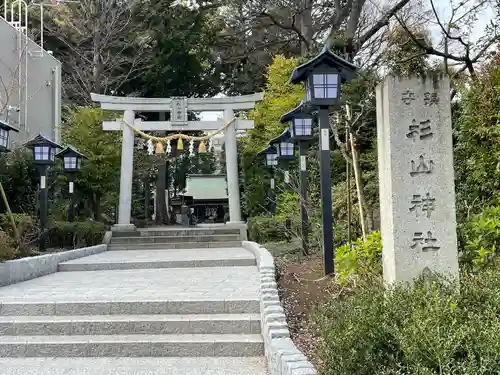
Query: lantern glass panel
x,y
4,137
44,153
286,149
302,127
70,162
325,85
271,160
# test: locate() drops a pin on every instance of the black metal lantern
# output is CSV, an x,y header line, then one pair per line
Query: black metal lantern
x,y
44,150
284,146
72,162
72,159
300,123
271,160
271,156
44,153
4,135
322,77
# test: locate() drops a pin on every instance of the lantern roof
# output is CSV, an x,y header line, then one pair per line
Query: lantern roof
x,y
326,58
301,109
283,137
6,126
69,149
41,140
268,150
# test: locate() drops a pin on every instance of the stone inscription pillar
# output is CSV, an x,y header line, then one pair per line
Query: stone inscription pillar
x,y
126,175
417,193
233,187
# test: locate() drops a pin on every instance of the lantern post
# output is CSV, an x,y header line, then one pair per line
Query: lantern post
x,y
322,77
301,131
72,163
5,129
271,161
44,152
286,153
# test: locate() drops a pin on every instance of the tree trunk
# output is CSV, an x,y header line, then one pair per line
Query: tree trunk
x,y
161,180
96,207
306,27
147,199
160,193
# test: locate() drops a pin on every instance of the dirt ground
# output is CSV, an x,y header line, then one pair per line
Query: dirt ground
x,y
302,287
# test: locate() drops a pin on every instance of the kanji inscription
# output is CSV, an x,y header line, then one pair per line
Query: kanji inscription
x,y
424,204
428,243
423,167
408,96
431,98
178,110
421,130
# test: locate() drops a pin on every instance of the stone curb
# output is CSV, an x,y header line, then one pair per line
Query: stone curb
x,y
283,357
17,270
106,240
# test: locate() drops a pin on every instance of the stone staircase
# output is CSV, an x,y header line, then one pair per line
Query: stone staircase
x,y
176,238
140,301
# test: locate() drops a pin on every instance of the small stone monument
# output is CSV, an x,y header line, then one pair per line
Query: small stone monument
x,y
185,215
417,192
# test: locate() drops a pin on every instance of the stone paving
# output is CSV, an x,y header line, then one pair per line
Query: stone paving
x,y
170,255
167,284
189,320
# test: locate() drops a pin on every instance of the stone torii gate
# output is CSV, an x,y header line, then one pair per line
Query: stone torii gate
x,y
178,108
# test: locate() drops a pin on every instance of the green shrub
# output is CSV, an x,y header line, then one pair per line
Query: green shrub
x,y
27,225
429,329
359,258
77,234
264,229
7,247
480,240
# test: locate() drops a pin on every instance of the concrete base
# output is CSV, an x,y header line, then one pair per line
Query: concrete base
x,y
123,228
236,223
107,237
242,226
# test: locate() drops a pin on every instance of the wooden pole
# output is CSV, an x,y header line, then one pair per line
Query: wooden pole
x,y
9,212
348,183
357,176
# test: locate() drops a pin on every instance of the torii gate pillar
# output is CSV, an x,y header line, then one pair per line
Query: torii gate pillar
x,y
126,176
233,185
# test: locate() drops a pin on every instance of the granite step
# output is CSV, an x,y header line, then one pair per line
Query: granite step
x,y
69,266
167,246
154,259
184,345
174,239
129,307
135,366
130,324
171,232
